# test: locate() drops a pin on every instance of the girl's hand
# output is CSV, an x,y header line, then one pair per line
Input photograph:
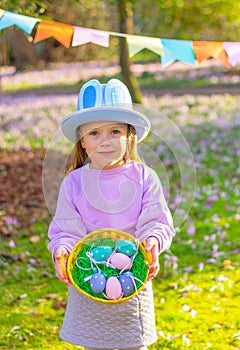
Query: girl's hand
x,y
152,246
61,268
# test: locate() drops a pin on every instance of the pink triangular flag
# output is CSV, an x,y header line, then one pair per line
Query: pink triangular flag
x,y
233,52
85,35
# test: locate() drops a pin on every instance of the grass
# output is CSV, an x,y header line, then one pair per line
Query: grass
x,y
197,290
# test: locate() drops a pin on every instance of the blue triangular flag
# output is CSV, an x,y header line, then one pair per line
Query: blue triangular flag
x,y
177,50
23,22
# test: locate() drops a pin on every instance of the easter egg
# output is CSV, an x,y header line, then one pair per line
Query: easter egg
x,y
126,247
126,283
121,261
101,253
98,282
113,288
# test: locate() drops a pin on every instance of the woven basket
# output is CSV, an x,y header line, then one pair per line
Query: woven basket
x,y
113,235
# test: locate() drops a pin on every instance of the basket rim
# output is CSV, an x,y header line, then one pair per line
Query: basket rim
x,y
76,248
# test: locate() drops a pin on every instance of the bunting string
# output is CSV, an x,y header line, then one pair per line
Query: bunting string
x,y
169,50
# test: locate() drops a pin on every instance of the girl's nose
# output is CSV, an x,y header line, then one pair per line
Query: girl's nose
x,y
105,140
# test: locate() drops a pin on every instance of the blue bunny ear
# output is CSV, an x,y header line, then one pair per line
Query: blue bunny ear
x,y
90,95
116,93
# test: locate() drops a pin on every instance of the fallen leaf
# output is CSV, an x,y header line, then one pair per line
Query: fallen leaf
x,y
51,296
34,239
59,304
226,263
39,287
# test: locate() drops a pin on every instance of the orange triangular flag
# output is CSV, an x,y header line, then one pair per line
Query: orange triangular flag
x,y
60,31
206,49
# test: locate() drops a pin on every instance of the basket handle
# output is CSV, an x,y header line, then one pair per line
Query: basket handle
x,y
148,253
62,260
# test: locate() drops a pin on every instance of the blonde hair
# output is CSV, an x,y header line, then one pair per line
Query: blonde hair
x,y
79,156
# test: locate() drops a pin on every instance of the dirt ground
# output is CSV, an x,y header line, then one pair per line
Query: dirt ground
x,y
21,199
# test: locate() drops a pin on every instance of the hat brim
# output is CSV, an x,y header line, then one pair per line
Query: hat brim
x,y
139,121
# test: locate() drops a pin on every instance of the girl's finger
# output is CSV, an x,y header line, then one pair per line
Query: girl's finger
x,y
153,270
61,268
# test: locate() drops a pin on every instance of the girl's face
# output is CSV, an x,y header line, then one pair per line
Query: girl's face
x,y
105,143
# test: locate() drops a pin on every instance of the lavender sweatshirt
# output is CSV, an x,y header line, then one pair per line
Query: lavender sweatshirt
x,y
129,198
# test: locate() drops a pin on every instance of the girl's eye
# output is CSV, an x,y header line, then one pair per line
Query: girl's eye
x,y
93,133
115,131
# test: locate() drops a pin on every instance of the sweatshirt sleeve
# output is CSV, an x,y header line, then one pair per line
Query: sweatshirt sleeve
x,y
155,218
67,227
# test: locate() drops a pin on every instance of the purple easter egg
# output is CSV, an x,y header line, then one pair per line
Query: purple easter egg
x,y
121,261
113,288
98,282
127,284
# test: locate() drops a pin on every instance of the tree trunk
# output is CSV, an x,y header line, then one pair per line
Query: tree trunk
x,y
4,49
126,26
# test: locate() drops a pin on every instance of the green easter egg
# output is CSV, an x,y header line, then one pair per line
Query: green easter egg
x,y
101,253
126,247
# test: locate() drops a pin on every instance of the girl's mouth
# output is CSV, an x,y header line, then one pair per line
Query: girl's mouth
x,y
106,153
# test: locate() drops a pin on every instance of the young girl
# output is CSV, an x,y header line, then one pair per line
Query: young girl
x,y
108,186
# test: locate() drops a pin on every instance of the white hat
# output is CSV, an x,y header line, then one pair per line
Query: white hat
x,y
105,102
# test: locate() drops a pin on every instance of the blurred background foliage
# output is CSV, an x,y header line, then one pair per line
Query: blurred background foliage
x,y
175,19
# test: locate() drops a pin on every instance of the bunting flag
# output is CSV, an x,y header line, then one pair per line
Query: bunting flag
x,y
84,35
206,49
177,50
60,31
233,52
137,43
25,23
170,50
